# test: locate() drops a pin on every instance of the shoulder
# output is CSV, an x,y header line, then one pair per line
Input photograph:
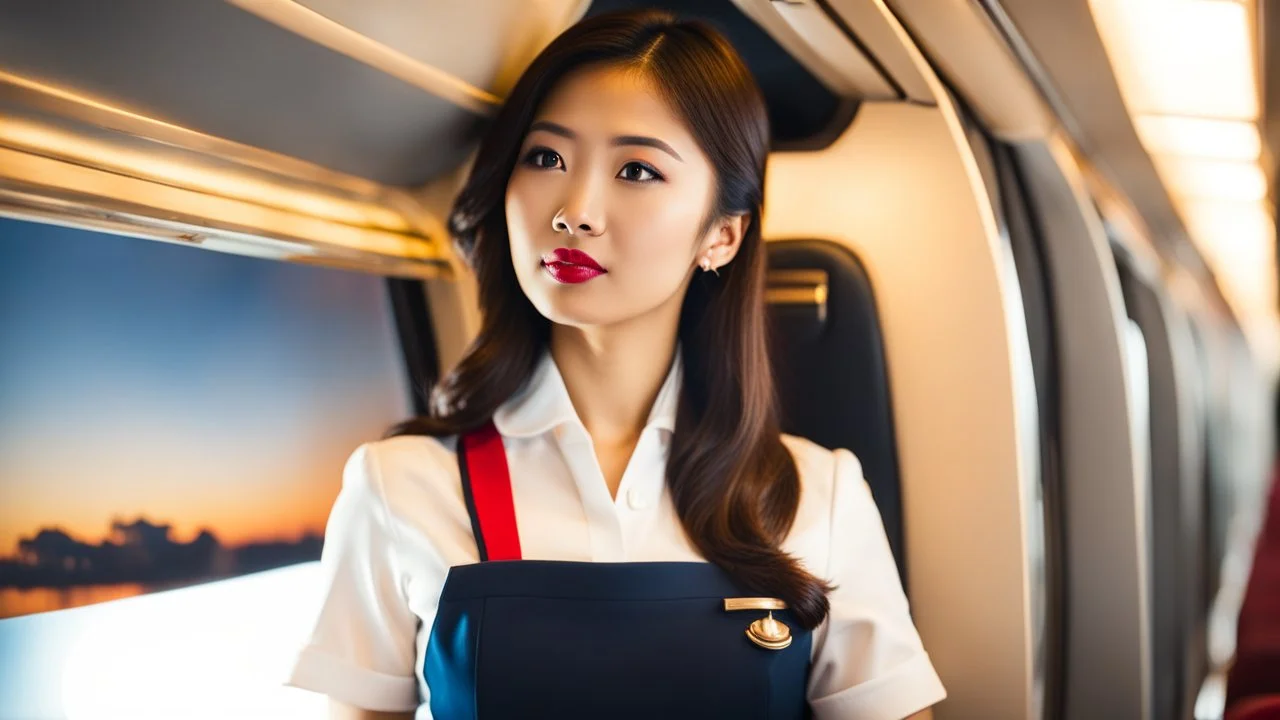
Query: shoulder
x,y
826,474
405,457
868,659
832,491
404,461
411,489
415,478
817,464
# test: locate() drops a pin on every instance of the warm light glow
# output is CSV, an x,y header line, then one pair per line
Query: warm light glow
x,y
1210,219
187,203
1238,241
1199,137
1191,179
226,183
1181,57
1188,73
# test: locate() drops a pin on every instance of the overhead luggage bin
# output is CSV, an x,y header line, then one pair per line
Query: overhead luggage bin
x,y
262,128
825,46
972,54
70,160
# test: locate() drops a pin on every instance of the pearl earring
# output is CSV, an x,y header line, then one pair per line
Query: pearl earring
x,y
706,267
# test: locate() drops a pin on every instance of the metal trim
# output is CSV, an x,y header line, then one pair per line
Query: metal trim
x,y
72,160
33,98
175,216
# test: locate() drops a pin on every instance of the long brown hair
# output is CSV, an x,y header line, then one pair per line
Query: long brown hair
x,y
734,484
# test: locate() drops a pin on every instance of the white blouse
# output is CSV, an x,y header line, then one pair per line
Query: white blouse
x,y
400,522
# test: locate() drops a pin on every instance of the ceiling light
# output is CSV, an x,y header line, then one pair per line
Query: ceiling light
x,y
1192,178
1199,137
1237,239
1238,226
1181,57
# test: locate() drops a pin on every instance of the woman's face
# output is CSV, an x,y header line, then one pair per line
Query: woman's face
x,y
607,169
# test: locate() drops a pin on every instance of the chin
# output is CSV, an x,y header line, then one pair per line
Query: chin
x,y
577,312
574,305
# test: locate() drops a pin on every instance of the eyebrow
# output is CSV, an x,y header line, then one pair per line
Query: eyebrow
x,y
621,140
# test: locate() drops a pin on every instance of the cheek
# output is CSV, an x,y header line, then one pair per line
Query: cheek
x,y
658,232
522,210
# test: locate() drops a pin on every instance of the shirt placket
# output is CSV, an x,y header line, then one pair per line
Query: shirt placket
x,y
603,524
640,491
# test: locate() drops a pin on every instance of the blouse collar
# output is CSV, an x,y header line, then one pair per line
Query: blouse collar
x,y
543,403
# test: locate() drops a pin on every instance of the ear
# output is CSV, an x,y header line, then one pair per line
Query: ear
x,y
724,239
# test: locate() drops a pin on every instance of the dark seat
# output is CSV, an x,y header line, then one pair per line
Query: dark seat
x,y
829,362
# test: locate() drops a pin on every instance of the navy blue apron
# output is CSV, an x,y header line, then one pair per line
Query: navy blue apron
x,y
519,638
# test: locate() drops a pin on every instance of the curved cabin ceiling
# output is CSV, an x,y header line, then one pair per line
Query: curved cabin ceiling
x,y
216,69
1121,77
309,130
485,44
804,111
1188,71
394,91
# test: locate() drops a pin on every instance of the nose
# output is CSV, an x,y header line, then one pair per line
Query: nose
x,y
582,214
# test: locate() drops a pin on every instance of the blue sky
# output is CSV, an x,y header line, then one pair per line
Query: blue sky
x,y
198,388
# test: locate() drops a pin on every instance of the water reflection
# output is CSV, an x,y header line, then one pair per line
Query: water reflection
x,y
27,601
54,570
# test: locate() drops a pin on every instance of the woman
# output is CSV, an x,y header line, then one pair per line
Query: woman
x,y
649,544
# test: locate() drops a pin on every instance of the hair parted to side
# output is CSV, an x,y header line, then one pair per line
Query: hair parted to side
x,y
734,485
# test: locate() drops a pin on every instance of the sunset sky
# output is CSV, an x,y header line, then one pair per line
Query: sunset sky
x,y
185,386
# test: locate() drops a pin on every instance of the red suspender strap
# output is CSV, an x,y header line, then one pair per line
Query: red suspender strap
x,y
486,485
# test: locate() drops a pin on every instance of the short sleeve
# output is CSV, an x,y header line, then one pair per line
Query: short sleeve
x,y
361,651
868,660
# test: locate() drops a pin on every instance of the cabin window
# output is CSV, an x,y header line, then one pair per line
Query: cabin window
x,y
173,427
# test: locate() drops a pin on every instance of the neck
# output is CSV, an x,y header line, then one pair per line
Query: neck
x,y
613,374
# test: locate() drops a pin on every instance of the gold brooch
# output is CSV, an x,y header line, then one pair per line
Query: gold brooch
x,y
767,632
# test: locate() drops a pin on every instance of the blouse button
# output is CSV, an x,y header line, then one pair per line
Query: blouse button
x,y
636,499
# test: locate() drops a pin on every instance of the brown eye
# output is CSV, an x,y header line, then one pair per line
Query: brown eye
x,y
638,173
544,159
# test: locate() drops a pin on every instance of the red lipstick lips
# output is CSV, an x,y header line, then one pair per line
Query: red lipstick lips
x,y
571,266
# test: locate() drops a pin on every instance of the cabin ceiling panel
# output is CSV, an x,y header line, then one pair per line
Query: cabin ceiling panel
x,y
975,58
873,27
805,113
485,43
1074,69
217,69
